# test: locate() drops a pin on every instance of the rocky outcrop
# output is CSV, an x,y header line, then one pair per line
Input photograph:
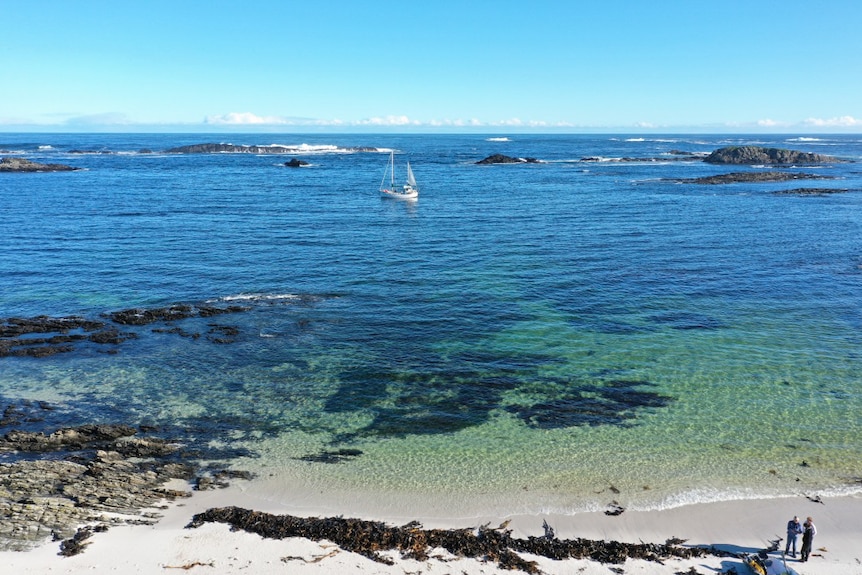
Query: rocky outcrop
x,y
21,165
241,149
673,156
761,155
54,479
812,191
43,336
295,163
501,159
103,472
744,177
228,149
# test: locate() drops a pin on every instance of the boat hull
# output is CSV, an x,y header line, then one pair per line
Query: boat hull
x,y
764,565
401,195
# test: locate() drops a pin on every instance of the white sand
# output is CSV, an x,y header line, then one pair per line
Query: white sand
x,y
168,547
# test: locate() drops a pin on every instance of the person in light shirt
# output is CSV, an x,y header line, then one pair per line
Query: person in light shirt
x,y
808,533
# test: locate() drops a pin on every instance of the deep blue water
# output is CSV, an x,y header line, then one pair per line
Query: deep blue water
x,y
605,302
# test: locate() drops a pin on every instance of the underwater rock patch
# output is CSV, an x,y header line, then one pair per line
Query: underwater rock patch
x,y
19,336
812,191
686,320
44,336
144,316
611,403
746,177
338,456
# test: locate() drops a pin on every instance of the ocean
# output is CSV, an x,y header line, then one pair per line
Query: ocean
x,y
589,330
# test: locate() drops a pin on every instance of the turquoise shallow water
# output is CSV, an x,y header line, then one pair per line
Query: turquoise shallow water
x,y
538,338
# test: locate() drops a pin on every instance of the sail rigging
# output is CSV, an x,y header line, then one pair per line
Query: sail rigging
x,y
408,191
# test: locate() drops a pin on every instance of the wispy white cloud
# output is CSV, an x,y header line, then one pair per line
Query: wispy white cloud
x,y
244,118
842,122
769,123
105,119
388,121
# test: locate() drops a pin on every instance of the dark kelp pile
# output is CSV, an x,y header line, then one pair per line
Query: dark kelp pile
x,y
370,538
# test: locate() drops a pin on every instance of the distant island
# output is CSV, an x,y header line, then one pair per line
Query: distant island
x,y
739,155
21,165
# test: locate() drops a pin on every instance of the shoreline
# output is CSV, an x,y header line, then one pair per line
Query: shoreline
x,y
732,526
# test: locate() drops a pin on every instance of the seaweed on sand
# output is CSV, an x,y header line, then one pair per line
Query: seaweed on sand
x,y
370,538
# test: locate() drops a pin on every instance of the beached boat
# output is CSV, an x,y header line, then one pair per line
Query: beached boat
x,y
762,564
408,191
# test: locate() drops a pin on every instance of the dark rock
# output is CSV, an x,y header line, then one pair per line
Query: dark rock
x,y
501,159
338,456
241,149
295,163
140,447
761,155
67,438
16,326
78,542
770,176
21,165
813,191
110,336
220,479
57,331
143,316
673,156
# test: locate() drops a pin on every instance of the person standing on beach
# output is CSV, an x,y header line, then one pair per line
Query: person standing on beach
x,y
794,529
808,533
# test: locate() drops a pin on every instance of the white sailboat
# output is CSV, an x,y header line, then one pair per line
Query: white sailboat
x,y
408,191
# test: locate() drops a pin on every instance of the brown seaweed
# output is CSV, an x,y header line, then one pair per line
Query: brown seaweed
x,y
370,538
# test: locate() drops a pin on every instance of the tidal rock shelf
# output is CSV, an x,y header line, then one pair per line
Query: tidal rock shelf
x,y
94,475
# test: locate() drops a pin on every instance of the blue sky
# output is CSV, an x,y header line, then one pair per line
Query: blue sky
x,y
439,65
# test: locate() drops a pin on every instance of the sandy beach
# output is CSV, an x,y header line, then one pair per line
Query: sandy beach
x,y
737,526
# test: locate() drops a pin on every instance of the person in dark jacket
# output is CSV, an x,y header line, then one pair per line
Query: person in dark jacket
x,y
794,530
808,533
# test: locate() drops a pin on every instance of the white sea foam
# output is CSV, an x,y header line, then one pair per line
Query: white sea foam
x,y
259,297
635,140
503,139
46,147
804,139
715,495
